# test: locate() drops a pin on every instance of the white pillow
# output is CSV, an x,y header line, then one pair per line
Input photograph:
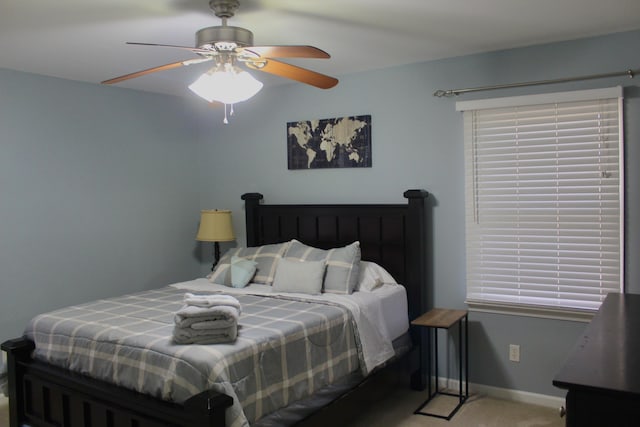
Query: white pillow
x,y
299,276
372,276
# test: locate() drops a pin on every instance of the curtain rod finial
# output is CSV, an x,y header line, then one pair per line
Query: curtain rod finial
x,y
440,93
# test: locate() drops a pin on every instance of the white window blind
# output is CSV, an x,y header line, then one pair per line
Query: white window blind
x,y
544,199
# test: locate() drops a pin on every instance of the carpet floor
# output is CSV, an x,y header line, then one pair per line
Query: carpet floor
x,y
4,411
396,410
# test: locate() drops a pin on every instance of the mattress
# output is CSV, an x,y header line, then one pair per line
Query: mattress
x,y
393,299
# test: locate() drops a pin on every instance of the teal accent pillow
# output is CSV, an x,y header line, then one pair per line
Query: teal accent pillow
x,y
242,271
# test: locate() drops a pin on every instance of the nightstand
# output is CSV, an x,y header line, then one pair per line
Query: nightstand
x,y
442,318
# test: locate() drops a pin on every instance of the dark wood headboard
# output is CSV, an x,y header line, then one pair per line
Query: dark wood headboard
x,y
392,235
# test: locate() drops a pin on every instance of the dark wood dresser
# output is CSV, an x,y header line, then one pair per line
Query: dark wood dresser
x,y
602,374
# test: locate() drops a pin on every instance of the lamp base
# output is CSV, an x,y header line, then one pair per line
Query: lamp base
x,y
216,254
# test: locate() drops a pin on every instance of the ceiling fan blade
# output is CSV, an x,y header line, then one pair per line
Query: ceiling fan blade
x,y
289,71
192,49
285,51
154,69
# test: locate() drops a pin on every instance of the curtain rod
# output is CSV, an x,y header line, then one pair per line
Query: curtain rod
x,y
454,92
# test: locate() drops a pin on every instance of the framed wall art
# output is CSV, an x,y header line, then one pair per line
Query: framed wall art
x,y
343,142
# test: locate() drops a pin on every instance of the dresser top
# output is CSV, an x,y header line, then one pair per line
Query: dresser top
x,y
607,355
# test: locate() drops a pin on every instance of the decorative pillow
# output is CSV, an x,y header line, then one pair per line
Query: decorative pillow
x,y
373,276
266,257
342,264
221,274
299,276
242,271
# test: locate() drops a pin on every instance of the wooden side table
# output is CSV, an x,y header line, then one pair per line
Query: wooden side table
x,y
441,318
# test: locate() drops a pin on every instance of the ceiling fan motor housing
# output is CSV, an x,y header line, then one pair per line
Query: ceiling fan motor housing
x,y
207,37
224,8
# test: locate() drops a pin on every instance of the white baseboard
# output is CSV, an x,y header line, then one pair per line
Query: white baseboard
x,y
506,393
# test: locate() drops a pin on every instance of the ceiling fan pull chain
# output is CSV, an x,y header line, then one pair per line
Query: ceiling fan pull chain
x,y
231,112
225,121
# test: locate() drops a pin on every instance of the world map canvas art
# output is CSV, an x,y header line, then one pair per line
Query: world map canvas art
x,y
343,142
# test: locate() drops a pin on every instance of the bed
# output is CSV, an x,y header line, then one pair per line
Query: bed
x,y
393,236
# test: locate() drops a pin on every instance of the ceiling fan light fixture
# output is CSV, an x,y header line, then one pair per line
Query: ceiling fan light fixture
x,y
226,83
228,46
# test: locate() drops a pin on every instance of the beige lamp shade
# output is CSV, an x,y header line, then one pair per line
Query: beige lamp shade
x,y
215,226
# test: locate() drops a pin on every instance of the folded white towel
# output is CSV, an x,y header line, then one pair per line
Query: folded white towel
x,y
201,336
181,336
211,300
212,325
216,317
207,319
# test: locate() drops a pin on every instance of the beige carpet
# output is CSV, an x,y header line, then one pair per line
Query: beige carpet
x,y
479,411
396,410
4,411
388,401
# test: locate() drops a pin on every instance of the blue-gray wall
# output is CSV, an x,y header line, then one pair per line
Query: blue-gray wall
x,y
144,164
418,143
98,194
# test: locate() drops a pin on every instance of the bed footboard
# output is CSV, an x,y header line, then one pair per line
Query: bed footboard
x,y
42,395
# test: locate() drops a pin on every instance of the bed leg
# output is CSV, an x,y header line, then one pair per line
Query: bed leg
x,y
18,350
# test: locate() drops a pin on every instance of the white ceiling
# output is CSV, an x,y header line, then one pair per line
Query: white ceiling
x,y
85,39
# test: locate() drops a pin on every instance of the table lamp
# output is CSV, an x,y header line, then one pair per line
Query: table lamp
x,y
215,226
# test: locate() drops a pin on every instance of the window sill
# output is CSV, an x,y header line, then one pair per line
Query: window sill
x,y
573,315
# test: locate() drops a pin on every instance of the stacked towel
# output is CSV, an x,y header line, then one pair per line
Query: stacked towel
x,y
207,319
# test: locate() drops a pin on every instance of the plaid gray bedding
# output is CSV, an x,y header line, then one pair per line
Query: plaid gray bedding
x,y
286,349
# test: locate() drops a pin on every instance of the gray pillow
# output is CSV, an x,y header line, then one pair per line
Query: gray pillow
x,y
343,264
299,276
266,257
221,274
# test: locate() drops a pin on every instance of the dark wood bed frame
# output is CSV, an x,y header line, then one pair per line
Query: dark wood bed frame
x,y
392,235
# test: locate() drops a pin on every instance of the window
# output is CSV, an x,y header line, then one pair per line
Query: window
x,y
544,201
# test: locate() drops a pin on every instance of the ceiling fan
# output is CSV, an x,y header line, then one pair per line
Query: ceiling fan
x,y
229,46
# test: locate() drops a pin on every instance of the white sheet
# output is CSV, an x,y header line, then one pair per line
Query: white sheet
x,y
371,312
394,308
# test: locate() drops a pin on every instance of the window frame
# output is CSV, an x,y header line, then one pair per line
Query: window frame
x,y
556,312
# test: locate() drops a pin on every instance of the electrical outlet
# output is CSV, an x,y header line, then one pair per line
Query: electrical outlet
x,y
514,352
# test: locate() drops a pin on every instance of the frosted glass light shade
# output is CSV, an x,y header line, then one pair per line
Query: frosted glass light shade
x,y
227,84
215,226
